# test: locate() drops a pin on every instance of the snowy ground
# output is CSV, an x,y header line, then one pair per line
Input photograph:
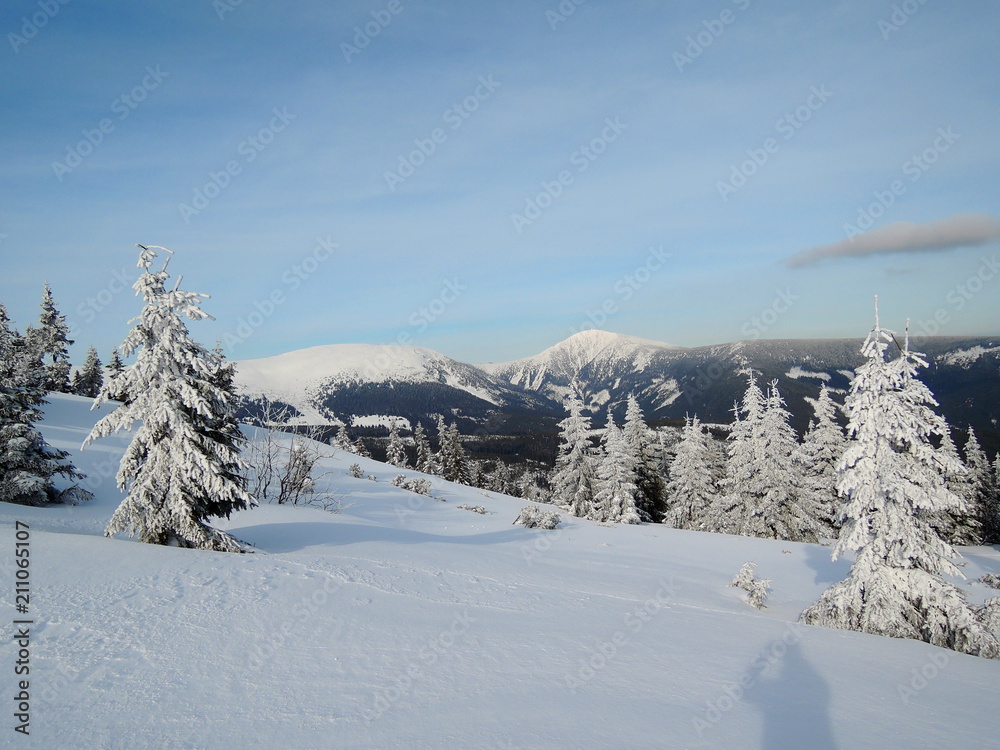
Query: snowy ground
x,y
405,622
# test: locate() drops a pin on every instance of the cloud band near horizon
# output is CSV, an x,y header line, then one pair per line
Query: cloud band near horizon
x,y
961,230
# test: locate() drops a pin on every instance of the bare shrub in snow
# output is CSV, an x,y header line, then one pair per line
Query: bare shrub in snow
x,y
474,508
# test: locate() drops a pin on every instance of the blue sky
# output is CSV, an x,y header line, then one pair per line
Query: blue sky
x,y
484,179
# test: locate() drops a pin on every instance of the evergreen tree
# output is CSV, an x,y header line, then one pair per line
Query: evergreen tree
x,y
360,449
342,440
27,463
113,382
731,511
396,451
51,343
817,457
642,443
891,478
980,481
691,487
88,380
617,497
178,471
573,482
426,460
959,524
991,526
454,465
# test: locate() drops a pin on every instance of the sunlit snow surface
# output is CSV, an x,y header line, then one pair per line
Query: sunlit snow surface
x,y
405,622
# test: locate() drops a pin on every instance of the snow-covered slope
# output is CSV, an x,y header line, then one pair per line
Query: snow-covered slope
x,y
328,383
407,622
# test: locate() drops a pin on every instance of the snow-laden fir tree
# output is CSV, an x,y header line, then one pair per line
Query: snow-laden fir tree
x,y
27,463
822,446
691,487
731,510
114,370
87,381
644,446
891,479
342,440
451,455
175,473
51,343
426,460
959,524
616,500
991,526
396,450
980,481
360,449
573,481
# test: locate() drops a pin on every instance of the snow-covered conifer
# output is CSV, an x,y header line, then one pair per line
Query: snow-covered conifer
x,y
691,487
617,496
51,343
573,482
891,479
27,463
175,473
822,446
396,451
959,524
980,480
644,446
87,381
451,455
342,440
426,460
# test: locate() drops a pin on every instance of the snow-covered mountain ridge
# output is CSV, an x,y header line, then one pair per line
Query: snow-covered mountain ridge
x,y
336,383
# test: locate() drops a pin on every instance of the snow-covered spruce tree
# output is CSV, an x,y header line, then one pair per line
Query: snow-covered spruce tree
x,y
51,343
342,440
644,446
731,509
175,472
691,487
891,479
960,524
27,463
451,458
573,482
426,460
991,530
396,451
980,476
87,381
618,490
822,446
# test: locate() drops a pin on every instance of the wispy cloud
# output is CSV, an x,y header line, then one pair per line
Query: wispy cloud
x,y
961,230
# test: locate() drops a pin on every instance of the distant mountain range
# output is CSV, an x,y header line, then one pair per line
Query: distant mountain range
x,y
367,385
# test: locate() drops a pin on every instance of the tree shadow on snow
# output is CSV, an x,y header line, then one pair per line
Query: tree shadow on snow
x,y
294,536
827,570
794,699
